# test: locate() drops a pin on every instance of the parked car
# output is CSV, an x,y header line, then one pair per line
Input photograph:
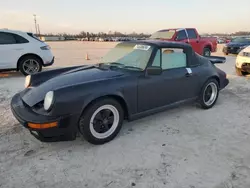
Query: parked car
x,y
201,45
236,45
23,52
221,41
242,64
133,80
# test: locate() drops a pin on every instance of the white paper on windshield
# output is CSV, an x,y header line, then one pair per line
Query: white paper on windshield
x,y
142,47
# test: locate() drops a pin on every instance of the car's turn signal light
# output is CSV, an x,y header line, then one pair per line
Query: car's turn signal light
x,y
42,125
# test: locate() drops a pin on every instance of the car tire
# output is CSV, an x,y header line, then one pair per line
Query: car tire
x,y
34,62
206,52
209,94
95,133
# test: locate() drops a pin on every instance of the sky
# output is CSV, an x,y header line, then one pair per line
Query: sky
x,y
74,16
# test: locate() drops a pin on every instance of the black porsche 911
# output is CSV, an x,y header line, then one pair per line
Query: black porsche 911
x,y
134,79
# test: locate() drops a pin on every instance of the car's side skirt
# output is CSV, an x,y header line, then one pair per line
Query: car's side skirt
x,y
159,109
5,70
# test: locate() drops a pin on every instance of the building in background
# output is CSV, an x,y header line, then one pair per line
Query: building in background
x,y
52,38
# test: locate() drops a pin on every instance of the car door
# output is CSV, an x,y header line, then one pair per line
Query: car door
x,y
171,86
11,47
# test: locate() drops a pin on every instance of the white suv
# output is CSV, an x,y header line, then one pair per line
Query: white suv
x,y
23,52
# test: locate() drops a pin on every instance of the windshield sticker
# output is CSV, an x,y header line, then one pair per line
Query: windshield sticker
x,y
141,47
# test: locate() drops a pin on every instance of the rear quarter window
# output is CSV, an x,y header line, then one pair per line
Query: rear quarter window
x,y
20,40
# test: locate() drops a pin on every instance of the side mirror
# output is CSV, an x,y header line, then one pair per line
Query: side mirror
x,y
154,70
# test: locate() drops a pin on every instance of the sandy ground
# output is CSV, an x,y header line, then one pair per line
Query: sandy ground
x,y
185,147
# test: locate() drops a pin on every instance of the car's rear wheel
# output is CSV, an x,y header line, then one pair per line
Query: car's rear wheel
x,y
209,94
101,121
30,65
206,52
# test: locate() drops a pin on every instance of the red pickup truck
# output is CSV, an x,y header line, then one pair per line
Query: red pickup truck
x,y
201,45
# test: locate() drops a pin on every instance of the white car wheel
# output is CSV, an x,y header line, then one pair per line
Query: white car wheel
x,y
101,121
104,121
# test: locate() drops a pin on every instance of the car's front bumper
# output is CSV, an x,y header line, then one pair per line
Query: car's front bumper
x,y
231,50
65,130
243,63
50,63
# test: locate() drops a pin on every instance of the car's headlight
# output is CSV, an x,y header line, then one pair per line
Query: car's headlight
x,y
48,100
27,81
241,53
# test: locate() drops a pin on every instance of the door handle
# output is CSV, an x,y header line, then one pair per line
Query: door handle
x,y
189,72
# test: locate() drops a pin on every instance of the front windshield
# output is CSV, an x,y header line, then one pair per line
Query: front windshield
x,y
241,40
128,56
167,34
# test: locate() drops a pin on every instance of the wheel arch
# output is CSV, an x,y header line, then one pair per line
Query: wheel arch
x,y
26,55
216,78
209,46
116,97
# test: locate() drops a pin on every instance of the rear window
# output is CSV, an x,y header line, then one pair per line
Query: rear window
x,y
34,37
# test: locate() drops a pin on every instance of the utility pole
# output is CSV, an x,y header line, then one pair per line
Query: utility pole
x,y
35,22
38,30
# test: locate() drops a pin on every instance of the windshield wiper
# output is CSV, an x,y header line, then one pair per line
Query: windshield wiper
x,y
115,63
132,67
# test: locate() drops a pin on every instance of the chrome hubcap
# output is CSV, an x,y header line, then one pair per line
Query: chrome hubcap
x,y
207,53
30,66
210,94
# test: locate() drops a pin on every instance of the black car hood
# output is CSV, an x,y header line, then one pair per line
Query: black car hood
x,y
73,77
236,44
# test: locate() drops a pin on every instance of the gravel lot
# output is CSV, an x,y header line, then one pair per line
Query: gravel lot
x,y
185,147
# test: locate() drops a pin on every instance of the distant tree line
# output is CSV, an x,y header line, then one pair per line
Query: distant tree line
x,y
238,33
84,34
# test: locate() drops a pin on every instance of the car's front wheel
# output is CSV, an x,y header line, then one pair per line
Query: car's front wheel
x,y
101,121
209,94
30,65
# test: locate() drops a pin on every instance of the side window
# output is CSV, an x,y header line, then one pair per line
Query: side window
x,y
173,58
19,39
191,34
181,35
7,38
157,60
